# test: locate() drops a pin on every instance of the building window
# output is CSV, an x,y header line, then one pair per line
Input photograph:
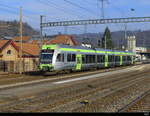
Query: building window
x,y
9,52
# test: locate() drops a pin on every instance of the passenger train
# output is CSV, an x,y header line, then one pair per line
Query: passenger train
x,y
65,57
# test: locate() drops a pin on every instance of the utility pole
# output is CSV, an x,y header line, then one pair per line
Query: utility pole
x,y
105,42
85,30
65,30
125,34
21,41
41,30
102,8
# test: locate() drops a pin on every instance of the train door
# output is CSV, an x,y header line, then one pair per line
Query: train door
x,y
78,61
120,60
106,60
132,60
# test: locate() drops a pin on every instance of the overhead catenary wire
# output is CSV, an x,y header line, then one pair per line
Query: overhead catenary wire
x,y
13,10
85,9
66,12
56,7
74,12
25,10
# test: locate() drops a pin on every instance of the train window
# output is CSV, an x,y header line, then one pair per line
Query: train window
x,y
60,58
110,58
113,58
128,58
47,51
100,58
133,58
117,58
73,57
94,59
124,58
69,57
87,59
91,58
83,59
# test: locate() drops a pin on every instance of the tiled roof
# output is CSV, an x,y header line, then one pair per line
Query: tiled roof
x,y
24,38
63,39
28,48
32,49
45,41
2,43
34,41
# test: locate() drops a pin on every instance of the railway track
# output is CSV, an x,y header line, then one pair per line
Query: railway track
x,y
100,96
59,99
16,78
29,79
140,104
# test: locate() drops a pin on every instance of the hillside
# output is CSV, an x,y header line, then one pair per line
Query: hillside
x,y
13,30
142,38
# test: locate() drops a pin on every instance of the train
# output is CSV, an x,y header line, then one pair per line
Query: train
x,y
76,58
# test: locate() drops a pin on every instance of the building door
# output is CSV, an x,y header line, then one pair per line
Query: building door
x,y
11,66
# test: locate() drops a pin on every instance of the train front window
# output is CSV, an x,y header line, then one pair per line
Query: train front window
x,y
46,56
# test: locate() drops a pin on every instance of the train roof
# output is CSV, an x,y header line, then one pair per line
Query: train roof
x,y
86,49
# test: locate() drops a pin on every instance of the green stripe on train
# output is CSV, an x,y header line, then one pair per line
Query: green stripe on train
x,y
49,47
92,51
83,50
45,65
77,50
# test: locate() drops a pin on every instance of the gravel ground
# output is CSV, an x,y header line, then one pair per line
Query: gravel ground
x,y
18,78
107,94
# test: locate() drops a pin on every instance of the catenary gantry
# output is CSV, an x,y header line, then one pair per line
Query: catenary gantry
x,y
96,21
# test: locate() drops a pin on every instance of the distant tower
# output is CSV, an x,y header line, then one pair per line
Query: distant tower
x,y
132,43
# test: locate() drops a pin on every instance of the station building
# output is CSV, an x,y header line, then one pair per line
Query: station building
x,y
10,58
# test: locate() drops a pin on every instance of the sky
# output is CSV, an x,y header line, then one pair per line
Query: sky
x,y
62,10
